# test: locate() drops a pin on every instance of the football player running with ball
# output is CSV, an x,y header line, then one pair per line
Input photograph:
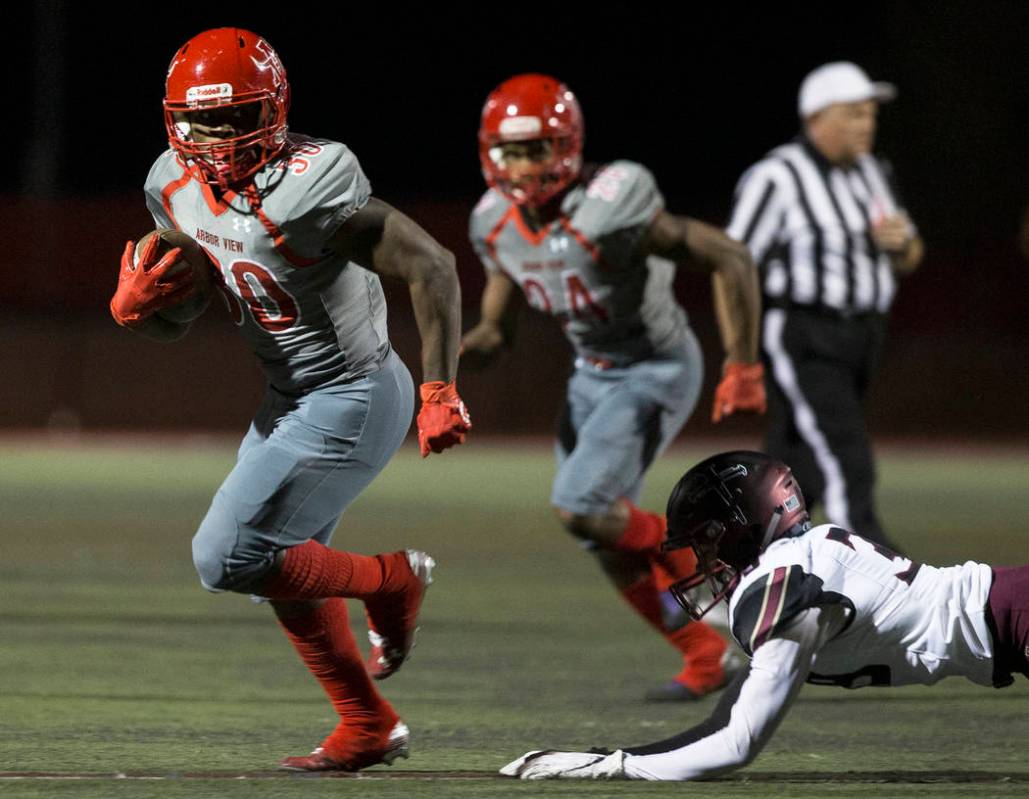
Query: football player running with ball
x,y
819,605
298,244
594,247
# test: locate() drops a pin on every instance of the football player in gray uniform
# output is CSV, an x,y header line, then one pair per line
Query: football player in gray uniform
x,y
820,605
298,244
594,247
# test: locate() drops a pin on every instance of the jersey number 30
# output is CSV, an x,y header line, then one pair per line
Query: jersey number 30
x,y
270,305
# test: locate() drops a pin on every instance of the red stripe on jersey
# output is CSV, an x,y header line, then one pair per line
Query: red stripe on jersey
x,y
535,238
586,244
771,607
277,236
491,239
217,207
169,190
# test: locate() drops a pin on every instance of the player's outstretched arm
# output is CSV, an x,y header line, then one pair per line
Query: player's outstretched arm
x,y
381,238
745,718
498,316
737,300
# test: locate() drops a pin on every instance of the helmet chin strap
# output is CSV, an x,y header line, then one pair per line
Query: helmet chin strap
x,y
773,525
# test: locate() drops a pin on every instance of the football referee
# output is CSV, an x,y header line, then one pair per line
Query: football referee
x,y
823,223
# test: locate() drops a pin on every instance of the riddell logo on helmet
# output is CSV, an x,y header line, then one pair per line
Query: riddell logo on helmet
x,y
212,91
520,126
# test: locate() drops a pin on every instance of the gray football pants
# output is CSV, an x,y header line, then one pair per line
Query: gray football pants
x,y
617,421
303,461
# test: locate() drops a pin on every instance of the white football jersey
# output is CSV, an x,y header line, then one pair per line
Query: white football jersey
x,y
830,608
906,622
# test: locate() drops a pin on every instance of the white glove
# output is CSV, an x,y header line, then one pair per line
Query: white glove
x,y
550,765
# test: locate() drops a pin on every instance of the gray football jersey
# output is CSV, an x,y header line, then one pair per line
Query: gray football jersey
x,y
311,317
587,267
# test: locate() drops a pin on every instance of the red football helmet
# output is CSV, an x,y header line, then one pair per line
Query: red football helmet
x,y
531,107
729,508
232,81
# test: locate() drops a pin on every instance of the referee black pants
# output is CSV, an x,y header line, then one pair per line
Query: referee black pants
x,y
818,369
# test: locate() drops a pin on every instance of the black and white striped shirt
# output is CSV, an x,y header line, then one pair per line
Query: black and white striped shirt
x,y
808,226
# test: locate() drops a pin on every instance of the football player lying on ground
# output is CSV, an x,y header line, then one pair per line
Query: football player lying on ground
x,y
818,605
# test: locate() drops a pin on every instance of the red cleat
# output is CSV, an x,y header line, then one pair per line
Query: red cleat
x,y
347,750
392,619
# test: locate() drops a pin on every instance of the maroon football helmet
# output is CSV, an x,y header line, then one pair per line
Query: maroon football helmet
x,y
531,107
233,78
729,508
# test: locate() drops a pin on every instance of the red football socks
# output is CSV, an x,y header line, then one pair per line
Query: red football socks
x,y
642,595
670,567
702,650
701,647
325,643
315,571
644,531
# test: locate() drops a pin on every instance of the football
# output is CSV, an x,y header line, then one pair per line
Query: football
x,y
192,257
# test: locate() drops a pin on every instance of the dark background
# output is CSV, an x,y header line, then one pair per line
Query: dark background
x,y
697,99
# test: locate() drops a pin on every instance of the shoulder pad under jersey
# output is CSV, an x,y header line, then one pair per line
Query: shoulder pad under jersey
x,y
771,601
165,170
621,195
491,208
322,188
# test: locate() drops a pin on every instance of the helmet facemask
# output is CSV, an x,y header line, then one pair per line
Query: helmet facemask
x,y
554,163
255,129
720,577
225,105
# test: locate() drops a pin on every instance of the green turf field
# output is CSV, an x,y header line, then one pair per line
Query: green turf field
x,y
114,661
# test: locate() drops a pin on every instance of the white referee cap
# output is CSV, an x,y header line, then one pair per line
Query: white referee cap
x,y
840,82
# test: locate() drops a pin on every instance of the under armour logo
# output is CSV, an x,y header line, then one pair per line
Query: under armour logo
x,y
239,223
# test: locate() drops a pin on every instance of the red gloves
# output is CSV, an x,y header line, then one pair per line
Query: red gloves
x,y
742,389
141,290
443,420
